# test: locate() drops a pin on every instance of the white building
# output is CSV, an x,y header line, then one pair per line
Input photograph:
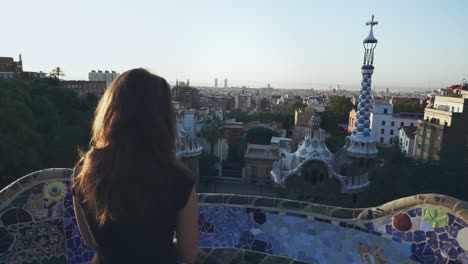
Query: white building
x,y
406,139
282,143
105,76
385,124
446,103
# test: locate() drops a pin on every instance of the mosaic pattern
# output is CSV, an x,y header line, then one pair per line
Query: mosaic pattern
x,y
37,225
395,232
38,222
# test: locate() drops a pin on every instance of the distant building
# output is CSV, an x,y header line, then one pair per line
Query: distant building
x,y
442,129
225,83
385,123
406,140
282,143
243,102
301,125
187,96
188,149
103,76
223,103
82,88
452,104
9,68
234,130
258,163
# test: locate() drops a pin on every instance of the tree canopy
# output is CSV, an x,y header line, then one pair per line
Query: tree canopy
x,y
260,135
42,125
409,105
336,112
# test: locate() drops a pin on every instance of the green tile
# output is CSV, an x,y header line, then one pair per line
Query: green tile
x,y
20,201
276,260
266,202
239,199
251,257
220,255
238,258
343,214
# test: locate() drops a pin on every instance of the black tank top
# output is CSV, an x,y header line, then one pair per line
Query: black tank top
x,y
145,240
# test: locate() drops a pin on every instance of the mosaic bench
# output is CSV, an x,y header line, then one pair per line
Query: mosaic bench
x,y
37,225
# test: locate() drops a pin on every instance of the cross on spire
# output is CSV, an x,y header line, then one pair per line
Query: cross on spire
x,y
372,22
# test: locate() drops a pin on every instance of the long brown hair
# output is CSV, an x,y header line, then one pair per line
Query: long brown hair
x,y
133,138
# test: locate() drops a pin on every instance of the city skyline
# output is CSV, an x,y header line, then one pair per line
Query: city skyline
x,y
301,45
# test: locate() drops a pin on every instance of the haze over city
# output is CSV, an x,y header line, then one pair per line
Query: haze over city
x,y
304,44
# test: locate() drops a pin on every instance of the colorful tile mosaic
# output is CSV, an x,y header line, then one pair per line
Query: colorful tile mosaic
x,y
37,225
38,221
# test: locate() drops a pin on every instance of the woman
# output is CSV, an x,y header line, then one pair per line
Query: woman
x,y
130,191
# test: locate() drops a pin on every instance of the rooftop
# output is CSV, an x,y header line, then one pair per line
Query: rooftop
x,y
409,130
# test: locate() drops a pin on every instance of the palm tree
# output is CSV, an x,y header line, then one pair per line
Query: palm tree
x,y
213,130
57,72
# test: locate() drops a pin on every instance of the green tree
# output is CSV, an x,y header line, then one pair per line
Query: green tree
x,y
336,112
42,125
409,105
297,106
260,135
213,130
57,72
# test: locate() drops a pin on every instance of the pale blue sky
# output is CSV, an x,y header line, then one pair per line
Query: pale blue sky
x,y
299,44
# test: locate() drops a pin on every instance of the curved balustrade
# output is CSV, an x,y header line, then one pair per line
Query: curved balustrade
x,y
37,225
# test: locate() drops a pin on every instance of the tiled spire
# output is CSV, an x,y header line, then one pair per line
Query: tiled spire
x,y
362,123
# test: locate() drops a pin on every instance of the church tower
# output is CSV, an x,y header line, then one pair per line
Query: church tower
x,y
360,142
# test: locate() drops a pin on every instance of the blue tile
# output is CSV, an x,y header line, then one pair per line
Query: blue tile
x,y
421,246
439,230
428,251
388,229
414,212
369,226
443,237
398,234
408,237
457,226
433,243
451,218
419,236
460,222
431,234
454,243
453,232
453,254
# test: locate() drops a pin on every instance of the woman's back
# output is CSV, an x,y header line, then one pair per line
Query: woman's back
x,y
131,191
146,236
